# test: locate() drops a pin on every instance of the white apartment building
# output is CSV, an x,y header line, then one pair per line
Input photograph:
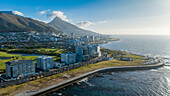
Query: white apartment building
x,y
68,58
45,62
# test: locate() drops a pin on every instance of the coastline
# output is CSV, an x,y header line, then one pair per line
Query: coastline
x,y
75,79
105,41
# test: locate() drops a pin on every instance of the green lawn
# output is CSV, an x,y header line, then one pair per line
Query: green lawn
x,y
112,39
97,42
2,61
42,51
104,41
5,54
2,64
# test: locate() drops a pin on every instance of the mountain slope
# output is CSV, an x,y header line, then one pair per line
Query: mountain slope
x,y
14,23
68,28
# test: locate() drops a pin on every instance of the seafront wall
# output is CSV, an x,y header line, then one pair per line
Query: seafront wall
x,y
76,79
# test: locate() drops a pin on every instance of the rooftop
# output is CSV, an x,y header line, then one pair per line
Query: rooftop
x,y
45,57
18,62
69,53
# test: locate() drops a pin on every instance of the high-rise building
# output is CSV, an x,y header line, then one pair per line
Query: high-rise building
x,y
86,53
68,58
91,39
89,49
85,38
45,62
79,53
72,35
85,50
21,68
96,51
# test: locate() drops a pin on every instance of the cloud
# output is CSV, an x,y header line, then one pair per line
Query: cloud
x,y
102,21
87,23
17,13
59,14
44,11
83,24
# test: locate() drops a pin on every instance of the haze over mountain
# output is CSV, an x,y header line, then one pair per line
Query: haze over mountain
x,y
15,23
69,28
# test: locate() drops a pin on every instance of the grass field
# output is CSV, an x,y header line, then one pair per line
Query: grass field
x,y
45,51
59,51
5,54
48,81
112,39
2,61
104,41
98,42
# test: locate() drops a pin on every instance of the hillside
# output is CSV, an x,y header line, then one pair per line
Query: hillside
x,y
14,23
69,28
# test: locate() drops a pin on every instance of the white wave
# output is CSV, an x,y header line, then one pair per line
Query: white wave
x,y
83,80
89,83
167,67
153,70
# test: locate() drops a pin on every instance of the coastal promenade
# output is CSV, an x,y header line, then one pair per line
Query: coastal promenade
x,y
75,79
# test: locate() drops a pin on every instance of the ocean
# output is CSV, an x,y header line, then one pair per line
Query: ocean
x,y
154,82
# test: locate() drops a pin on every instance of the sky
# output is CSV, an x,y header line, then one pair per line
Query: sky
x,y
139,17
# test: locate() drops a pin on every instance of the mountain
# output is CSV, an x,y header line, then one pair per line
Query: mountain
x,y
69,28
15,23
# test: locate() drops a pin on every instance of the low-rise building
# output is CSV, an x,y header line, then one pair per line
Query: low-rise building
x,y
125,59
68,58
58,64
45,62
86,57
21,68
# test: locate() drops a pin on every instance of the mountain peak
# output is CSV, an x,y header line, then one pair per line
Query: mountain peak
x,y
57,18
69,28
